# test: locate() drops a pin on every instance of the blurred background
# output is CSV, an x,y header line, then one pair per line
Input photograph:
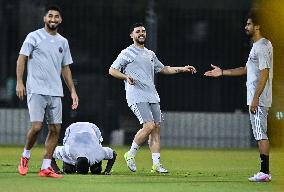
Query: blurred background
x,y
198,111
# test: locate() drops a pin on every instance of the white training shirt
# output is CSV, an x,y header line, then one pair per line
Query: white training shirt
x,y
82,139
47,54
141,64
260,57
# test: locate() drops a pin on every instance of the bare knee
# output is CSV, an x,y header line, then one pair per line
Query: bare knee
x,y
36,127
155,134
149,127
156,130
54,129
157,127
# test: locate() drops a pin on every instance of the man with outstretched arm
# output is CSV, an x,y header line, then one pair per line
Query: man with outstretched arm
x,y
259,71
137,66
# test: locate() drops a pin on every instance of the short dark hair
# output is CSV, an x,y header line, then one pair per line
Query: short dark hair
x,y
82,165
53,8
254,15
136,25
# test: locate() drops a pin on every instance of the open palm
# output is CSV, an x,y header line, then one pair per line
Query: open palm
x,y
215,72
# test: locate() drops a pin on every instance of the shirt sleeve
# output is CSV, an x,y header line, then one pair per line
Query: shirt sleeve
x,y
158,66
67,58
57,153
28,45
67,133
108,153
98,133
121,61
265,57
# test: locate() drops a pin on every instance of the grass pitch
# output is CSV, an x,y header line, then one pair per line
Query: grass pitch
x,y
190,170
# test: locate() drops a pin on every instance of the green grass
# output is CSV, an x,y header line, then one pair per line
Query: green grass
x,y
190,170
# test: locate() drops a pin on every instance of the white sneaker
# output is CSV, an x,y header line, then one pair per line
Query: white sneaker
x,y
130,161
260,177
158,168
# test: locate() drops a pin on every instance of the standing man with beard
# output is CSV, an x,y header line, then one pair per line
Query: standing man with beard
x,y
259,71
137,65
48,56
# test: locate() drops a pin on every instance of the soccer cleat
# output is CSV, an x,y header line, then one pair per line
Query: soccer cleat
x,y
158,168
260,177
49,172
130,161
23,167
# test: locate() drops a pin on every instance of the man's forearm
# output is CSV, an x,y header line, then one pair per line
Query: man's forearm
x,y
117,74
55,166
110,163
264,74
234,72
67,76
20,69
171,70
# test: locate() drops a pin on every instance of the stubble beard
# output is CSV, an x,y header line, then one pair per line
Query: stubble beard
x,y
140,42
52,27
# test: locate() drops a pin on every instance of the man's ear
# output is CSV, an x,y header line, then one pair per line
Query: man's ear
x,y
60,19
131,35
257,27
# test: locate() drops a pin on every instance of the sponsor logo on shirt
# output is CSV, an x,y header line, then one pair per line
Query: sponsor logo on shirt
x,y
60,49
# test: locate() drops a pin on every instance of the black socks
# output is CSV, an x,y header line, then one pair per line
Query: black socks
x,y
264,163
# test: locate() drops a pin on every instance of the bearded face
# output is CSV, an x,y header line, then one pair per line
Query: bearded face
x,y
251,28
139,35
52,19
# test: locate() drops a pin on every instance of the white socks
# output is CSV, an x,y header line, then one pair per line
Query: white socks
x,y
45,163
133,150
26,153
156,158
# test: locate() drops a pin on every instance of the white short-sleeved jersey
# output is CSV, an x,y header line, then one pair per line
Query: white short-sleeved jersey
x,y
82,139
46,55
260,57
141,65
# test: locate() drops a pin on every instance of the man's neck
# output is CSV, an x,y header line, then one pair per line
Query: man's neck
x,y
256,37
49,31
139,45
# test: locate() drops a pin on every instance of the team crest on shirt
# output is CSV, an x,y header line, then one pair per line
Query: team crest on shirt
x,y
60,49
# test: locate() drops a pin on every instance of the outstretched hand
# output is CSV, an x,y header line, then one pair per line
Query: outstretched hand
x,y
215,72
190,69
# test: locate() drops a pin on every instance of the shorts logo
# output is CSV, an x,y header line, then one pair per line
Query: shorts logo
x,y
60,50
